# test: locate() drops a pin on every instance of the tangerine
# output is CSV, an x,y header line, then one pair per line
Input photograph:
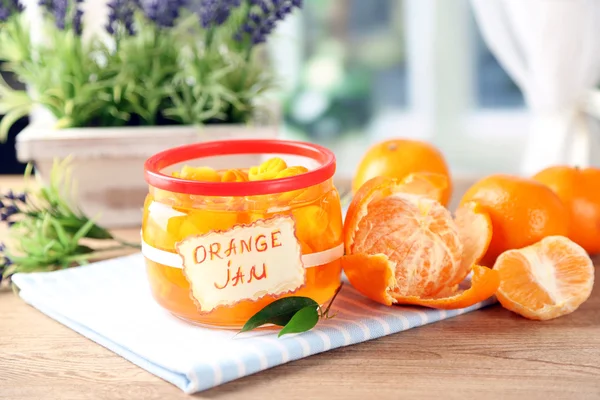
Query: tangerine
x,y
546,280
399,158
578,190
403,246
522,212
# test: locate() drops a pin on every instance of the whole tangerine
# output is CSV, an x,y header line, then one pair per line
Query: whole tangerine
x,y
522,211
578,190
398,158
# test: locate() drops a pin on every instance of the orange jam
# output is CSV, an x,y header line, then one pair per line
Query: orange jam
x,y
197,201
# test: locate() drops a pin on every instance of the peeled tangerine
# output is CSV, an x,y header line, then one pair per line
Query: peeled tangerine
x,y
548,279
404,247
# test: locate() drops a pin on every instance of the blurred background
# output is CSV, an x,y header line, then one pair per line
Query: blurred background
x,y
354,72
357,72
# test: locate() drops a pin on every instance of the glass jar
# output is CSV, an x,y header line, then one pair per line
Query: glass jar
x,y
218,252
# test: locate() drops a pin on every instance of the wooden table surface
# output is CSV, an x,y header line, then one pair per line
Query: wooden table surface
x,y
487,354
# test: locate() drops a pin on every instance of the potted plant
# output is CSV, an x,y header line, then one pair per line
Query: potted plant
x,y
162,73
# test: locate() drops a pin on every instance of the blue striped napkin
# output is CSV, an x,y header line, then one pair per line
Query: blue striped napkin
x,y
110,303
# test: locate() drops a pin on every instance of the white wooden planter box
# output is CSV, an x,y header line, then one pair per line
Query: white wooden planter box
x,y
108,163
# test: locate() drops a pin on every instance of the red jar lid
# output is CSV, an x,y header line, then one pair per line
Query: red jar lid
x,y
177,155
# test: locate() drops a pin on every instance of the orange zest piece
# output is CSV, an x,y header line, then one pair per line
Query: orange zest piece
x,y
475,231
234,175
199,174
372,276
267,170
546,280
483,286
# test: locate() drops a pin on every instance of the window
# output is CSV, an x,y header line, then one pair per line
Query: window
x,y
350,72
357,72
494,88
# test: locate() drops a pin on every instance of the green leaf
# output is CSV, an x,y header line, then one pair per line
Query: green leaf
x,y
97,232
11,118
83,231
60,233
52,244
279,312
302,321
81,249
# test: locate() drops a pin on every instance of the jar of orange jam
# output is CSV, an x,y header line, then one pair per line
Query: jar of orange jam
x,y
221,244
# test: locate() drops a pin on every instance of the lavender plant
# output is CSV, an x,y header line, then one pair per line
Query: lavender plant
x,y
9,7
168,62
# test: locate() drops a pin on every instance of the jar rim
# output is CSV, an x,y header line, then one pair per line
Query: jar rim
x,y
175,155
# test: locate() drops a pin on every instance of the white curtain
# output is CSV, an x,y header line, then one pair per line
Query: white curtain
x,y
551,49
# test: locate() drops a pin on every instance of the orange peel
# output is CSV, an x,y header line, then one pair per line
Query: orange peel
x,y
484,284
475,232
404,247
373,276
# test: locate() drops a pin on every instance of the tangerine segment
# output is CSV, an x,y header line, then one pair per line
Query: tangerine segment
x,y
424,184
548,279
311,222
419,236
371,275
484,284
475,232
161,237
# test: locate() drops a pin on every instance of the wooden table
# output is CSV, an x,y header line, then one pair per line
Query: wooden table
x,y
487,354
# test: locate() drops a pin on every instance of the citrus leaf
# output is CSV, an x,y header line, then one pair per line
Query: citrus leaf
x,y
279,312
304,320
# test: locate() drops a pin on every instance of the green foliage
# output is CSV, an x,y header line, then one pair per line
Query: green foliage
x,y
304,320
295,314
180,75
46,232
279,312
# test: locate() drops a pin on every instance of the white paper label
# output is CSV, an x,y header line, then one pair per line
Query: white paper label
x,y
246,262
